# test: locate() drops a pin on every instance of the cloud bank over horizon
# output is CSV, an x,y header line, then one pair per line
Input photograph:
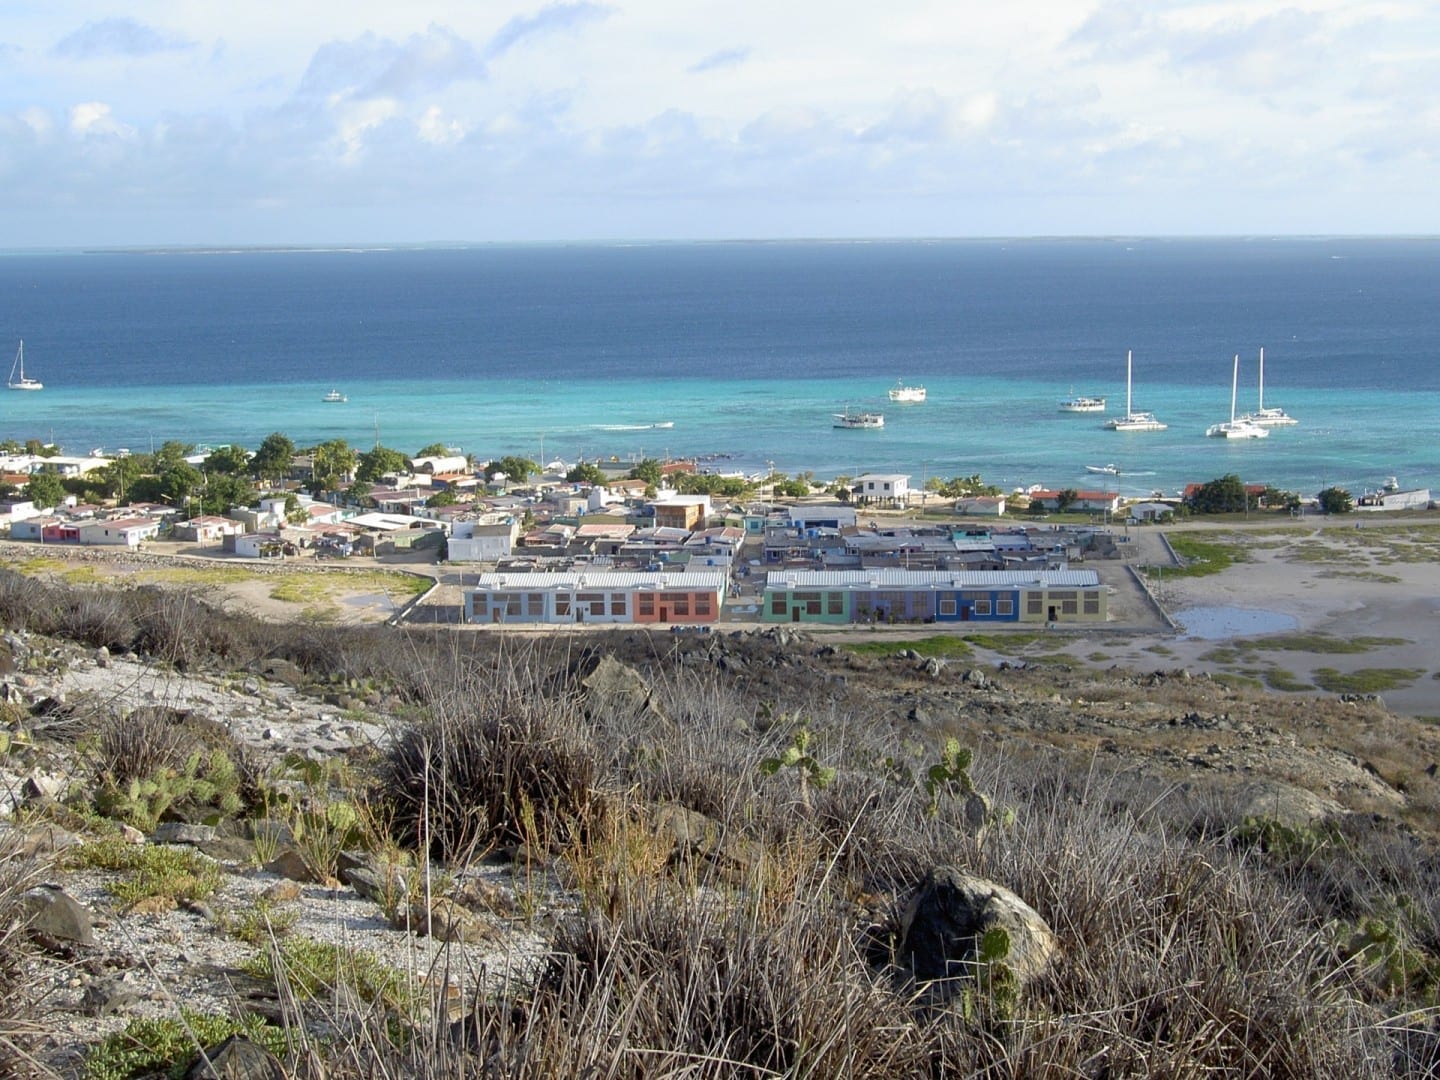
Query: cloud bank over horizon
x,y
579,120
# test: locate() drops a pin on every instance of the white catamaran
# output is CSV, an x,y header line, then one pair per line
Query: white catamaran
x,y
21,381
1244,428
1132,420
1273,416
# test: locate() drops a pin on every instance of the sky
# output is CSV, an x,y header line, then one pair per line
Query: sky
x,y
188,122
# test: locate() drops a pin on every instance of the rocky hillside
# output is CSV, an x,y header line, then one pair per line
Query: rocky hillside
x,y
669,850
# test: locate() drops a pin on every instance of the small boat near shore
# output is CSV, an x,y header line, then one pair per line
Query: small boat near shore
x,y
335,397
859,420
1108,470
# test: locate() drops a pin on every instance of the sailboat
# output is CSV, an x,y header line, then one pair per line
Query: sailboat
x,y
1236,429
1273,416
22,382
1132,420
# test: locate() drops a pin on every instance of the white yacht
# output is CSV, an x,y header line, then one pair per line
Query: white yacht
x,y
1244,428
1273,416
1082,403
907,394
22,381
847,419
335,397
1132,420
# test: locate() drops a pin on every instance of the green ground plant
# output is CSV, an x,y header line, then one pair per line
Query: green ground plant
x,y
166,1047
316,970
1202,554
1365,680
150,870
942,646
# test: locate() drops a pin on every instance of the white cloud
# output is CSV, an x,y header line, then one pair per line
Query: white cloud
x,y
117,37
435,129
93,118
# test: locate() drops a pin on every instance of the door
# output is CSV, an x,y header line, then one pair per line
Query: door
x,y
664,613
794,614
1052,616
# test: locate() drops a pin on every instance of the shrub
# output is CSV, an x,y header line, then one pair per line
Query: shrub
x,y
465,779
167,1046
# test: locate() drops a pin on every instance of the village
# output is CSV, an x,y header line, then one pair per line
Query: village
x,y
597,546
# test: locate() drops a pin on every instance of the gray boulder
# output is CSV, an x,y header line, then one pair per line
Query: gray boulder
x,y
947,918
236,1058
54,917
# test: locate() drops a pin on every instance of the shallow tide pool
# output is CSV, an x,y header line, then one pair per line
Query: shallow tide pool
x,y
1218,623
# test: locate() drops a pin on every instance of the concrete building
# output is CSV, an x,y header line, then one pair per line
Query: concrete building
x,y
584,596
883,489
886,596
484,543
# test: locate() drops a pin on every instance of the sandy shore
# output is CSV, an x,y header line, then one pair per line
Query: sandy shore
x,y
1380,580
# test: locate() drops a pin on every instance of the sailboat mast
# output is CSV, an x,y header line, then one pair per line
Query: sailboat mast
x,y
1234,382
1262,378
1127,382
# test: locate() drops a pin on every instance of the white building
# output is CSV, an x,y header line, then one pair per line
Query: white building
x,y
484,543
121,532
891,489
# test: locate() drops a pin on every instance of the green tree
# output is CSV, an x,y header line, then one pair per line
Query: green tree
x,y
117,479
222,491
170,454
381,460
442,498
36,448
516,469
648,470
272,460
1334,500
1065,499
586,473
179,482
358,494
791,489
435,449
45,490
332,464
1223,495
228,461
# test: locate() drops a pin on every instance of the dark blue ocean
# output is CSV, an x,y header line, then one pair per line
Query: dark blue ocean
x,y
745,350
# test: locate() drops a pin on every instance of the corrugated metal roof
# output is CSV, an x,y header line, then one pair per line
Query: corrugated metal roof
x,y
604,579
886,578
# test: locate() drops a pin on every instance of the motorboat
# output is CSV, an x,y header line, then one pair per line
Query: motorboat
x,y
849,419
1109,470
1082,403
335,397
1132,420
1242,428
907,394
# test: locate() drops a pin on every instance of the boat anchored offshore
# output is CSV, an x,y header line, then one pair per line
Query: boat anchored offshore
x,y
1082,403
1233,428
1132,420
902,393
335,397
22,381
1109,470
847,419
1273,416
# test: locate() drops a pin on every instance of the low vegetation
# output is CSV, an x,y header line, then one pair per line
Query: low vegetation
x,y
1201,554
720,847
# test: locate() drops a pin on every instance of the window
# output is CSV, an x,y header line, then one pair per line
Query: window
x,y
1034,604
681,603
535,604
1069,607
1092,605
835,603
702,604
777,604
1005,606
617,603
646,601
982,607
594,600
947,605
562,605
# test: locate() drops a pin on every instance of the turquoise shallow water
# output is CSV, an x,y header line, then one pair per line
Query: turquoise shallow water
x,y
746,351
